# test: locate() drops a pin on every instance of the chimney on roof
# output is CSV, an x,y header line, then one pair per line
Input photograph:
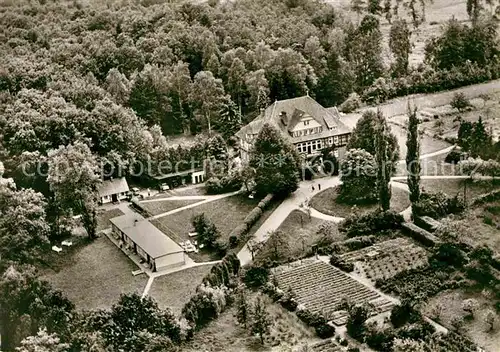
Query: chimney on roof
x,y
283,118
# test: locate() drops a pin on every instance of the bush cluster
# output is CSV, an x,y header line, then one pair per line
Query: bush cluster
x,y
225,184
340,263
256,276
212,295
493,196
370,223
427,80
438,205
317,321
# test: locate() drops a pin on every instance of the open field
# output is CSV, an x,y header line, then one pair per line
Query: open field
x,y
449,306
104,217
94,276
444,120
174,290
320,287
437,13
225,334
386,259
325,202
159,207
300,234
427,144
452,187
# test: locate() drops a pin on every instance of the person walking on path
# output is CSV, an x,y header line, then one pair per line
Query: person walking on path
x,y
312,188
319,186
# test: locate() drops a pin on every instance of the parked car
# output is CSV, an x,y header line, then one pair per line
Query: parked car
x,y
164,187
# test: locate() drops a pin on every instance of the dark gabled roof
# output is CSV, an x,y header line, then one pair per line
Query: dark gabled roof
x,y
307,105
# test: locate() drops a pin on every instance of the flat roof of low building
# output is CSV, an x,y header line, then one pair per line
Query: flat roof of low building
x,y
146,235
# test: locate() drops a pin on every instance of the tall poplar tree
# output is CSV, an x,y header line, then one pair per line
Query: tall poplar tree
x,y
412,155
384,163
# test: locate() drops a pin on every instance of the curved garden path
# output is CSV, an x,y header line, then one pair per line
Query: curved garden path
x,y
305,192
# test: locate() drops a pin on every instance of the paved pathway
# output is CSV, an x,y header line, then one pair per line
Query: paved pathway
x,y
305,191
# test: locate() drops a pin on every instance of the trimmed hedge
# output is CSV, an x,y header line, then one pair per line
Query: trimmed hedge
x,y
438,205
252,217
215,185
419,234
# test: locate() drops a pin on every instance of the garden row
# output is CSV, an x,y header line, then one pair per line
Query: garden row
x,y
320,288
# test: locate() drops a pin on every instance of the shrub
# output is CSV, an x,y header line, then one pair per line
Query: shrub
x,y
455,156
438,205
228,183
352,103
341,264
256,276
318,322
370,223
404,313
460,102
379,339
233,241
288,300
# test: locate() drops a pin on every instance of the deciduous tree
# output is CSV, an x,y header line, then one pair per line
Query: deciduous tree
x,y
276,163
73,178
400,45
260,320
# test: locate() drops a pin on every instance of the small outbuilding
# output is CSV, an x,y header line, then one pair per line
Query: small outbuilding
x,y
113,190
144,239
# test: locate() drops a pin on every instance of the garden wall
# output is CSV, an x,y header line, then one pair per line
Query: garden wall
x,y
419,234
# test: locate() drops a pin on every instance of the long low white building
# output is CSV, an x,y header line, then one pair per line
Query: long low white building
x,y
147,241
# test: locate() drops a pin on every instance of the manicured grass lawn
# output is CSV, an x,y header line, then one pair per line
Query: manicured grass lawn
x,y
94,276
451,307
225,334
427,143
159,207
174,290
104,217
325,202
301,234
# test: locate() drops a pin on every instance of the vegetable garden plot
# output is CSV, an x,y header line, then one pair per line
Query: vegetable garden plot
x,y
320,287
386,259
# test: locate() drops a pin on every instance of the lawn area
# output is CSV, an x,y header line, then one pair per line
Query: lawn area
x,y
453,187
437,13
225,334
163,206
94,276
104,217
174,290
428,144
300,234
325,202
225,213
449,306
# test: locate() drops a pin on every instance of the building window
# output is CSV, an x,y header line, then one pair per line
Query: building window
x,y
306,123
336,139
330,141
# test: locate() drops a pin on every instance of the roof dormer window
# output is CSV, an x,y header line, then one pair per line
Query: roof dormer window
x,y
306,122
